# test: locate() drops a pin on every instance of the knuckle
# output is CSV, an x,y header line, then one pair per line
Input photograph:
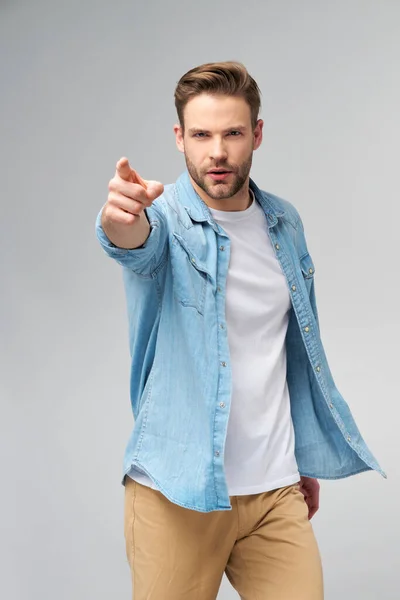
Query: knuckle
x,y
138,207
129,218
108,209
111,184
139,191
111,198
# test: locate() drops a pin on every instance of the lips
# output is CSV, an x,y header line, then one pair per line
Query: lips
x,y
219,175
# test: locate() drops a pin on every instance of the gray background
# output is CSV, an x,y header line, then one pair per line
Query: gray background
x,y
84,83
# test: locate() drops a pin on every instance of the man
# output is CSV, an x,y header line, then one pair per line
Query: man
x,y
236,411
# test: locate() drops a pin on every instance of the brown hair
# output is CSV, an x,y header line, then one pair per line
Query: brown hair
x,y
229,78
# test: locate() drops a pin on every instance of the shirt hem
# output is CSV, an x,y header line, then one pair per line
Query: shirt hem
x,y
265,487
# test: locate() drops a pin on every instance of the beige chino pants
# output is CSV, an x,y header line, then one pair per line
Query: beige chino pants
x,y
265,545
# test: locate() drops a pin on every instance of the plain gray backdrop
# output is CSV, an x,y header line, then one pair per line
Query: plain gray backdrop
x,y
86,82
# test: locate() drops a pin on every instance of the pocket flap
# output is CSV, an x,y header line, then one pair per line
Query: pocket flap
x,y
194,260
307,266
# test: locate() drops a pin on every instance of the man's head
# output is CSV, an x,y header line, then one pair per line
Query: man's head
x,y
218,106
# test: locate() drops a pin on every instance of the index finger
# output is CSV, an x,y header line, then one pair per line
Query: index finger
x,y
126,172
124,169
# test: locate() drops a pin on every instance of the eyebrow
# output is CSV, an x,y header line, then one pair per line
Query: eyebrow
x,y
193,130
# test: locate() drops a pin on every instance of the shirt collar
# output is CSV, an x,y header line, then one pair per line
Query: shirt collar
x,y
199,211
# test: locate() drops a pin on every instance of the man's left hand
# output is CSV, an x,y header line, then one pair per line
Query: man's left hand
x,y
309,487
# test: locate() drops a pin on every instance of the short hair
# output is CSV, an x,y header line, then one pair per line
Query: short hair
x,y
229,78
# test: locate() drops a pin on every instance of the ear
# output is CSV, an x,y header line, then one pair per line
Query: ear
x,y
179,138
258,134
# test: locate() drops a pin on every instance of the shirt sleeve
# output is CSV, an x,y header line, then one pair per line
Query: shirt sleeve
x,y
146,258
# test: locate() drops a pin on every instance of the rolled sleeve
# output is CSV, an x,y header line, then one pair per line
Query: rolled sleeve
x,y
146,258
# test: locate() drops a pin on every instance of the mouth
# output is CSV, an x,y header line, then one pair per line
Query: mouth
x,y
219,174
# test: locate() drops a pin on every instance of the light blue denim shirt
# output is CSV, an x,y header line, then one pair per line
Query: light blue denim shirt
x,y
180,382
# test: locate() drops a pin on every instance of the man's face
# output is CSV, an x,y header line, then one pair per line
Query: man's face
x,y
218,135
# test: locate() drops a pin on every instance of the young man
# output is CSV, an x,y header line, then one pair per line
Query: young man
x,y
236,411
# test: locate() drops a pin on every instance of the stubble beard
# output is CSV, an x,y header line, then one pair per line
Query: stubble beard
x,y
221,190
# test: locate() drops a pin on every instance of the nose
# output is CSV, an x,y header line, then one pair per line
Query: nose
x,y
218,151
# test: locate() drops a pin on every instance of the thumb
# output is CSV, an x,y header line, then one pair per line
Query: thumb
x,y
154,189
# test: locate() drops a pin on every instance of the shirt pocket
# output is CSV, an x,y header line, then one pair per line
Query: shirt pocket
x,y
190,275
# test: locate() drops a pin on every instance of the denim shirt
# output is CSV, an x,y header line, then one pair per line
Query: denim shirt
x,y
180,383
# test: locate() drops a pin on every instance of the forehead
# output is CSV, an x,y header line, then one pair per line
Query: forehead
x,y
216,112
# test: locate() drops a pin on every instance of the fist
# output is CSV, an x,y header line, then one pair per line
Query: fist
x,y
129,195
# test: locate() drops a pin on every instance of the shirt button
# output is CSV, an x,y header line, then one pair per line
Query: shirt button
x,y
318,369
277,246
217,453
222,326
219,289
193,260
223,364
222,404
222,248
306,329
294,288
310,271
349,438
331,405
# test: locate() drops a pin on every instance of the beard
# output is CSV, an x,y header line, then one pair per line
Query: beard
x,y
220,190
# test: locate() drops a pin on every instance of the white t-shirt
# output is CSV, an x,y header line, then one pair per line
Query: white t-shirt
x,y
259,448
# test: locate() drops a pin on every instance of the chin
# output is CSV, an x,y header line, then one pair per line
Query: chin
x,y
219,188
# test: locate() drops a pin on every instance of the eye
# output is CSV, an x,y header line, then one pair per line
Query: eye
x,y
238,132
199,134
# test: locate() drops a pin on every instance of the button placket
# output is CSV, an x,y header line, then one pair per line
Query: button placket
x,y
223,348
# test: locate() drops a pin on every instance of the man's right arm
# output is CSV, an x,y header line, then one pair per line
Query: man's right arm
x,y
130,228
129,237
